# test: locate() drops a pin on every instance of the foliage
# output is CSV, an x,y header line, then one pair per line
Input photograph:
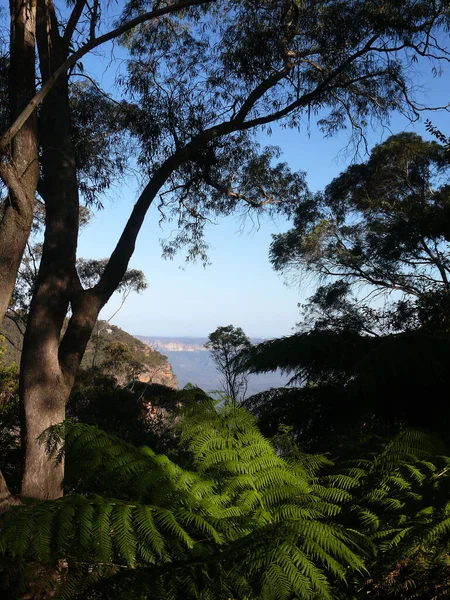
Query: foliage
x,y
199,81
142,356
101,149
229,525
352,382
384,224
379,231
226,345
195,70
10,447
91,270
366,370
142,413
401,502
8,377
238,520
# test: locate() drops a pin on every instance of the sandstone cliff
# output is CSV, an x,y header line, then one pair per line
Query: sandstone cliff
x,y
161,374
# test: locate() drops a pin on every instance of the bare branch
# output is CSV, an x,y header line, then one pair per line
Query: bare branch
x,y
98,88
10,341
16,321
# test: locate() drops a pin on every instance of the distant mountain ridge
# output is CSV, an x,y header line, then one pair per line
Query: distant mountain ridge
x,y
178,344
192,363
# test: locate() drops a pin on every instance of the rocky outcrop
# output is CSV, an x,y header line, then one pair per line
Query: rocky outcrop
x,y
175,344
161,374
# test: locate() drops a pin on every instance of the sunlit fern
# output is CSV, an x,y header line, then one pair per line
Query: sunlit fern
x,y
242,522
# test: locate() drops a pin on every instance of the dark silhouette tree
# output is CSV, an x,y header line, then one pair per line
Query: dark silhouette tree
x,y
364,364
384,224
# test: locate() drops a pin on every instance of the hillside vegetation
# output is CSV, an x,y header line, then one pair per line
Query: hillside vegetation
x,y
110,349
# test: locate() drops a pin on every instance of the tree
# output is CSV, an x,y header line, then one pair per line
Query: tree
x,y
89,272
226,345
202,75
384,224
365,364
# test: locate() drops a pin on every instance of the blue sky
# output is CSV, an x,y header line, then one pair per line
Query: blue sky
x,y
239,287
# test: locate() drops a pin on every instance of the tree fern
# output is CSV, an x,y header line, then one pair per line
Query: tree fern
x,y
238,512
242,522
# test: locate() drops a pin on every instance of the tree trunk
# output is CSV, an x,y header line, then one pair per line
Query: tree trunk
x,y
44,399
22,173
43,389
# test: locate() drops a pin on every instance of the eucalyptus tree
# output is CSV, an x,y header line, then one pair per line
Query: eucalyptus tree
x,y
383,224
201,77
373,348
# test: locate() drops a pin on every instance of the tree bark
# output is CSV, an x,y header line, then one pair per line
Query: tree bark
x,y
43,389
22,171
49,364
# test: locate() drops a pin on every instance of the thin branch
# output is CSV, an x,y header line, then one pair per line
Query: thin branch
x,y
435,261
72,60
236,195
97,87
124,297
16,323
307,99
8,339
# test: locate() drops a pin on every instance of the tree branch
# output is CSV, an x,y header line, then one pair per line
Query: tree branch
x,y
73,21
118,262
227,191
13,182
94,19
435,260
9,340
121,255
72,60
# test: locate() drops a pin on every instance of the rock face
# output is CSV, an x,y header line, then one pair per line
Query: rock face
x,y
161,374
176,344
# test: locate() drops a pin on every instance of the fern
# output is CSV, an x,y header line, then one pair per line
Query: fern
x,y
243,522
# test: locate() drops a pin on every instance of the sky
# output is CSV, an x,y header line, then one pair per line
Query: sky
x,y
239,287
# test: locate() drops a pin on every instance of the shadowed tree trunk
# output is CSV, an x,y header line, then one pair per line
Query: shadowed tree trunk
x,y
49,364
44,392
21,172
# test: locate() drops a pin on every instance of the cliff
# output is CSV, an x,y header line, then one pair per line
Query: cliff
x,y
162,375
111,350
